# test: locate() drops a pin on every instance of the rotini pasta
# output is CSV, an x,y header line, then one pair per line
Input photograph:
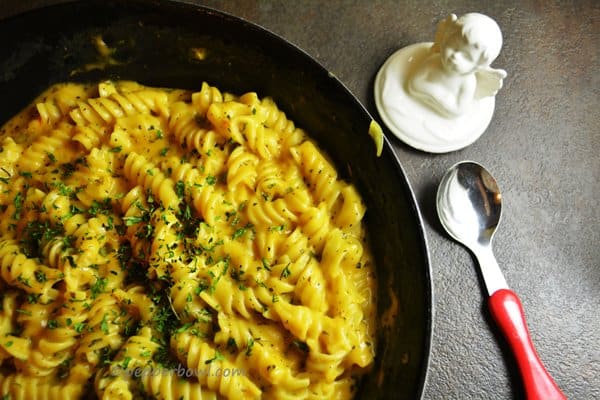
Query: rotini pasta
x,y
163,243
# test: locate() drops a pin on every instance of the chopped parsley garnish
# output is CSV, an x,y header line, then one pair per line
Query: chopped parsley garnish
x,y
126,362
286,271
239,233
67,241
278,228
211,180
32,298
18,202
67,169
218,357
164,358
79,327
183,328
40,276
98,287
180,189
64,368
35,235
23,281
145,231
104,325
215,279
63,189
124,254
53,324
202,286
164,319
129,221
265,264
106,355
249,347
103,207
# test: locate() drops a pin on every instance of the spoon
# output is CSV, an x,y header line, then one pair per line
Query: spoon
x,y
469,206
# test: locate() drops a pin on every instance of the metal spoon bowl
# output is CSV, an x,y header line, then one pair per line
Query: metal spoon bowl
x,y
469,205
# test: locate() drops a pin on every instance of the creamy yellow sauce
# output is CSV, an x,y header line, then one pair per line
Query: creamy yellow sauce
x,y
177,244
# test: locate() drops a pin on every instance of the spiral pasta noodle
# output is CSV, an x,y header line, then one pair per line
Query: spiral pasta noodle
x,y
195,353
171,244
22,387
25,273
37,155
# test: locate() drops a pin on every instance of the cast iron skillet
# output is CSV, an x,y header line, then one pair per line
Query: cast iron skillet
x,y
153,42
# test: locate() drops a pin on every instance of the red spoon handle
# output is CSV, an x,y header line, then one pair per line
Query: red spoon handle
x,y
507,310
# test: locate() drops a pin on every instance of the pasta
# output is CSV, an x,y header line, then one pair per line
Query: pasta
x,y
164,243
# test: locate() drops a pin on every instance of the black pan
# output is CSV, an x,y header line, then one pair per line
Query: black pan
x,y
153,41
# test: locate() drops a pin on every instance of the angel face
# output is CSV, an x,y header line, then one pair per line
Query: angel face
x,y
460,56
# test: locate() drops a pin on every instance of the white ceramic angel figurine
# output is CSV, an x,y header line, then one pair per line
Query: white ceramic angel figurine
x,y
458,69
439,96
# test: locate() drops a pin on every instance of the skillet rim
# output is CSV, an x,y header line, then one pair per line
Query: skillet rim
x,y
387,147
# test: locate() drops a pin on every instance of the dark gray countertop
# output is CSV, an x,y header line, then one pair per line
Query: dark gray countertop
x,y
543,146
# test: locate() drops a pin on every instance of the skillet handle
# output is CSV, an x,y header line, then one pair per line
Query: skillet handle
x,y
507,310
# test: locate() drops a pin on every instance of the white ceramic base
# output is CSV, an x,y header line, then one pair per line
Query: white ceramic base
x,y
417,124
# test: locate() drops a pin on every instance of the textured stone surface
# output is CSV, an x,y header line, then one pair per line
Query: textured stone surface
x,y
543,146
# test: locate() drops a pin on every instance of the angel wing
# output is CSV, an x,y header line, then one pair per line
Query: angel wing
x,y
444,28
489,81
